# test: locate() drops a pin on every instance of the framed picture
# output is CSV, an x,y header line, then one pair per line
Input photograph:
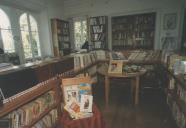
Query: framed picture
x,y
115,67
170,21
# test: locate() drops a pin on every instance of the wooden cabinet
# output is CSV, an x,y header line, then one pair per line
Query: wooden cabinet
x,y
99,32
133,31
60,37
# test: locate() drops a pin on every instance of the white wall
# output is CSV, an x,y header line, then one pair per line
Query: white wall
x,y
111,8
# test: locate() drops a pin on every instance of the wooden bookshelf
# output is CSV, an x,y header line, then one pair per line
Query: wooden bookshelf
x,y
17,101
60,37
41,116
99,32
133,31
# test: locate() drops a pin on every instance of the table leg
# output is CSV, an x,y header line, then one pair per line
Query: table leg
x,y
107,89
132,89
137,91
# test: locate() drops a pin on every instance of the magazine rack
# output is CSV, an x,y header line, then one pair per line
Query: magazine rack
x,y
94,121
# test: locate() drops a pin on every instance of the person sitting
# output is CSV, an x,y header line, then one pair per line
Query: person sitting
x,y
85,45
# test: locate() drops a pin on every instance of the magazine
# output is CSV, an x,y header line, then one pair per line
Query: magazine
x,y
71,92
86,103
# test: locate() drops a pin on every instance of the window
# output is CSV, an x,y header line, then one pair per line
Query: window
x,y
6,33
30,36
80,32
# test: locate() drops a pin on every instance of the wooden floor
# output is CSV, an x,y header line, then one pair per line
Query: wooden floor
x,y
152,112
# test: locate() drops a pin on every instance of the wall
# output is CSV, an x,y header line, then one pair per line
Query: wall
x,y
112,8
43,11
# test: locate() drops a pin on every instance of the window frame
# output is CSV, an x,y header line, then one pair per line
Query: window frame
x,y
33,57
80,19
13,49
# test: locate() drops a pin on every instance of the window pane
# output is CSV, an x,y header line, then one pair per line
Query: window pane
x,y
31,44
35,44
7,41
24,22
26,44
4,21
84,31
6,33
33,23
77,34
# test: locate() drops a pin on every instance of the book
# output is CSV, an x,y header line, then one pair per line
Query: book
x,y
86,103
71,92
85,89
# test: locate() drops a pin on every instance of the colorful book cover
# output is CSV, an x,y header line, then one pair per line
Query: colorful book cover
x,y
86,103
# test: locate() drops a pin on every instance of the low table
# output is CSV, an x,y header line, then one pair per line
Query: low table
x,y
135,80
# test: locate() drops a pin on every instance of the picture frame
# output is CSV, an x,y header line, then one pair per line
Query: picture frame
x,y
170,21
115,67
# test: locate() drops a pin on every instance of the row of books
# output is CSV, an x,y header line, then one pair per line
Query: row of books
x,y
62,31
84,59
97,29
181,93
98,37
63,38
145,55
26,114
97,20
48,121
178,115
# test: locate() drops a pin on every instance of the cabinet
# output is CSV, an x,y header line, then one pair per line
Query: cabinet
x,y
60,37
133,31
99,32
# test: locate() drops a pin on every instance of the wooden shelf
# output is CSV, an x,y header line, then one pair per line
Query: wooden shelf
x,y
99,31
60,29
25,97
125,30
41,116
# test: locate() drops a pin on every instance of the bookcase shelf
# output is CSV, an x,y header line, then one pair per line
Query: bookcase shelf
x,y
99,32
60,37
28,96
41,116
133,31
177,104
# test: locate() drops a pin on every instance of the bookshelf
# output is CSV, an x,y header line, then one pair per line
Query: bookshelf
x,y
133,31
99,32
30,98
60,37
175,98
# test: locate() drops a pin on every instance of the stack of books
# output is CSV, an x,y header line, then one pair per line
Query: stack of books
x,y
78,100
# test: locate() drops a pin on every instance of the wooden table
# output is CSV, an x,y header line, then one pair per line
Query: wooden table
x,y
135,79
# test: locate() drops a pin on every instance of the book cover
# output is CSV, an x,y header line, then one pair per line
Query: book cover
x,y
86,103
71,92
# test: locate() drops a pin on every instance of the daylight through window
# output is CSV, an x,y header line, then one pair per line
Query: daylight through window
x,y
80,32
6,33
30,36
